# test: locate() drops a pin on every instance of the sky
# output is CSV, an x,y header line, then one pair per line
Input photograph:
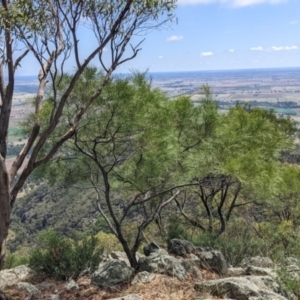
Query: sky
x,y
224,35
217,35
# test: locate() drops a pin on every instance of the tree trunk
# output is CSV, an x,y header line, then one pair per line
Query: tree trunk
x,y
4,209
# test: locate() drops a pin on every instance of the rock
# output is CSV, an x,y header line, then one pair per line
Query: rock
x,y
152,247
213,260
2,296
257,261
234,272
12,276
251,270
242,288
128,297
121,256
191,267
180,247
44,285
143,277
54,297
111,273
31,289
163,263
71,285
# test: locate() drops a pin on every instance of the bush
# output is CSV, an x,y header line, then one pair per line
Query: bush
x,y
64,258
234,244
13,260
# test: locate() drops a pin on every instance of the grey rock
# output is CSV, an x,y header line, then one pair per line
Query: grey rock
x,y
152,247
128,297
54,297
233,272
191,267
12,276
111,273
180,247
71,285
121,256
31,289
44,285
251,270
213,260
242,288
143,277
257,261
161,262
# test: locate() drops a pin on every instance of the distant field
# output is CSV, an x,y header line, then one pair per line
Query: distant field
x,y
15,134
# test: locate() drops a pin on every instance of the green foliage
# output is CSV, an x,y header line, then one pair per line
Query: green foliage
x,y
13,260
177,231
289,278
64,258
234,244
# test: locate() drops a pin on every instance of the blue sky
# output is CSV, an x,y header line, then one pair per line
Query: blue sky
x,y
225,34
216,35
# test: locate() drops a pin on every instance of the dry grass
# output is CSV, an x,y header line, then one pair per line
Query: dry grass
x,y
162,288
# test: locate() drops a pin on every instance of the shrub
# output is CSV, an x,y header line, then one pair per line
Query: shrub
x,y
64,258
13,260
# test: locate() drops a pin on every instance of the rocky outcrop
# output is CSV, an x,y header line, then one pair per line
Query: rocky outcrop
x,y
121,256
31,289
12,276
163,263
111,273
257,261
241,288
143,277
212,260
180,247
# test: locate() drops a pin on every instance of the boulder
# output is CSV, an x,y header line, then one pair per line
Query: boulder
x,y
257,261
212,260
143,277
111,273
242,288
121,256
161,262
12,276
251,270
150,248
71,285
234,272
180,247
31,289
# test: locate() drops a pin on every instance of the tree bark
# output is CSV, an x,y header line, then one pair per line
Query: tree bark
x,y
5,209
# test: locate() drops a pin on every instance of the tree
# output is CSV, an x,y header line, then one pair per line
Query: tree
x,y
48,31
239,159
130,149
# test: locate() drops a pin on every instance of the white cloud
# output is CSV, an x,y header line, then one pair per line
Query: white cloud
x,y
209,53
294,22
235,3
231,50
174,38
284,48
259,48
160,57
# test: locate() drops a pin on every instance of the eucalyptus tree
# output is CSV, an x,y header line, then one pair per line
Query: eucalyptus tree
x,y
130,149
50,32
239,159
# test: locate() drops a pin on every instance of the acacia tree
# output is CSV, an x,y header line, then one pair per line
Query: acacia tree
x,y
241,157
130,150
48,31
